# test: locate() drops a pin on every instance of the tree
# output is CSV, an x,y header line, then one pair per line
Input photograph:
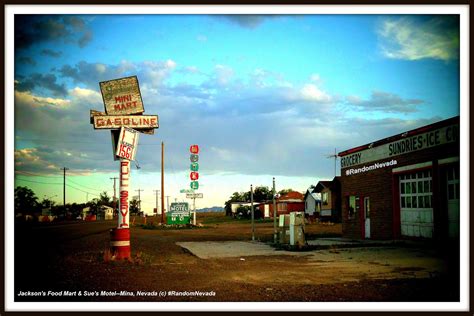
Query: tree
x,y
235,197
104,199
243,212
284,191
26,201
46,204
134,206
261,194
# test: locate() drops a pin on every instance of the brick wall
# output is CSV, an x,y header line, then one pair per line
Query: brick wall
x,y
378,185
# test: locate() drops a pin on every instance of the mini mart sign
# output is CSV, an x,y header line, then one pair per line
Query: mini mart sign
x,y
122,96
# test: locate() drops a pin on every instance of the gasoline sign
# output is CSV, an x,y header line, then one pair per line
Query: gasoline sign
x,y
127,143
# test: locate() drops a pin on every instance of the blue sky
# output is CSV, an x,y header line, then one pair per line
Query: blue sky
x,y
262,95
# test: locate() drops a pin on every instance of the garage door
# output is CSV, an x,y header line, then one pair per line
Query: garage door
x,y
416,209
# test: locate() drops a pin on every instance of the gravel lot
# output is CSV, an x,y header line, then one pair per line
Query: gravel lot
x,y
70,257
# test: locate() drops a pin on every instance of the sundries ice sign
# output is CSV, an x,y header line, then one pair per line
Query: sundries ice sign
x,y
441,136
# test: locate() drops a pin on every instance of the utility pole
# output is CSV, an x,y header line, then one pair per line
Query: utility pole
x,y
139,201
156,192
335,160
253,218
64,188
115,196
274,214
163,183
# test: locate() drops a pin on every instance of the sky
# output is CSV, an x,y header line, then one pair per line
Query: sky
x,y
262,95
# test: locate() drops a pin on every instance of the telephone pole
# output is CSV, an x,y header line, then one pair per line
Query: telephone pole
x,y
139,201
64,188
335,160
253,216
274,214
156,192
163,183
115,196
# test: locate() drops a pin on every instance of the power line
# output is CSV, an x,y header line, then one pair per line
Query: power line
x,y
68,142
64,187
26,173
70,186
40,182
83,185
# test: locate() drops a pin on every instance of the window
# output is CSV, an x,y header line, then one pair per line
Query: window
x,y
416,191
353,206
453,183
325,198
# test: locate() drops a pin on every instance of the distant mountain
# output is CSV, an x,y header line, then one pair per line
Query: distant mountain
x,y
210,209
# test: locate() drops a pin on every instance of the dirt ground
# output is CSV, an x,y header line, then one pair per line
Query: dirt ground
x,y
71,256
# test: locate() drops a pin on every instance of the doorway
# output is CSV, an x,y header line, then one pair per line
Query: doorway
x,y
367,217
452,174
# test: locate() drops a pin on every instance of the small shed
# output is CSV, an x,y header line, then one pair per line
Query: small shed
x,y
330,199
291,202
312,200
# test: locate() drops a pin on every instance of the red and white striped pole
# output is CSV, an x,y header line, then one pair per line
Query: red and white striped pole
x,y
120,236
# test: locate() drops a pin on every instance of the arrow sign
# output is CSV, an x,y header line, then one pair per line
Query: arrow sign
x,y
194,195
186,191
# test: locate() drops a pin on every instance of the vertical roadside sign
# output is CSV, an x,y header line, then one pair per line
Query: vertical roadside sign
x,y
123,116
194,175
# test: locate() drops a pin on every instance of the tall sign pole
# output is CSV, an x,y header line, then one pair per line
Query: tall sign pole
x,y
163,183
274,214
253,216
124,214
156,192
124,117
194,175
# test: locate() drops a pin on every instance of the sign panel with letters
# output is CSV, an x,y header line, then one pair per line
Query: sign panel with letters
x,y
127,143
122,96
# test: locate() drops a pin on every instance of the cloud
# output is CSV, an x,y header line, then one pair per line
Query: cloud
x,y
150,73
273,127
249,21
30,159
36,101
39,81
51,53
224,74
311,92
420,37
26,60
32,29
384,101
201,38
